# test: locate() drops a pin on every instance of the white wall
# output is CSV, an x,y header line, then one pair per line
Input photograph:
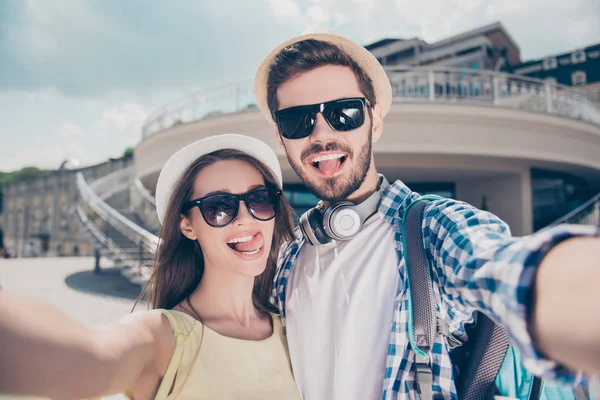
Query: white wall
x,y
508,197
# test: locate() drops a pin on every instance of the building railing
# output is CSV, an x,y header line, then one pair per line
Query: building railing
x,y
144,204
490,88
113,183
133,232
587,214
211,102
141,189
97,234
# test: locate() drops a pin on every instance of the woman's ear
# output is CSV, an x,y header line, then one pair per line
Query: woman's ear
x,y
186,228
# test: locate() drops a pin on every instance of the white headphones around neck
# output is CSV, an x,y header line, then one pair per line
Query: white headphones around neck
x,y
340,221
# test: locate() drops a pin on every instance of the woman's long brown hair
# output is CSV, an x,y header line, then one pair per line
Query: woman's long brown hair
x,y
179,262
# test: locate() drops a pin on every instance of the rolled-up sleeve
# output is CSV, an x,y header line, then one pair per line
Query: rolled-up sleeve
x,y
480,266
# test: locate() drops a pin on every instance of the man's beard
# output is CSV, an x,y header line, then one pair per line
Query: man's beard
x,y
336,189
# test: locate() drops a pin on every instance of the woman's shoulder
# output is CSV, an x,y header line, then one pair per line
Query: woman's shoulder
x,y
156,323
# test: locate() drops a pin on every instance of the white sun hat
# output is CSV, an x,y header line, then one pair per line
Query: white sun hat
x,y
179,162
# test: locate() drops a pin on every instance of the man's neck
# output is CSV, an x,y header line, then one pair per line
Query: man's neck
x,y
368,187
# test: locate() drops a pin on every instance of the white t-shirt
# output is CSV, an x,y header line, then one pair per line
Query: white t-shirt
x,y
339,310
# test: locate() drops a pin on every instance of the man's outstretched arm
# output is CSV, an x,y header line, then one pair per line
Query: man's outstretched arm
x,y
521,283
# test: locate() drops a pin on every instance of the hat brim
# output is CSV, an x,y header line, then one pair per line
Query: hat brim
x,y
179,162
363,57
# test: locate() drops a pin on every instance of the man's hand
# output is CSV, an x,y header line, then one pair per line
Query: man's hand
x,y
565,318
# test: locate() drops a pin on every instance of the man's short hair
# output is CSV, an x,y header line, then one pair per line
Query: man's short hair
x,y
306,55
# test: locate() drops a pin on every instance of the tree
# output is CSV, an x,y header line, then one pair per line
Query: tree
x,y
128,152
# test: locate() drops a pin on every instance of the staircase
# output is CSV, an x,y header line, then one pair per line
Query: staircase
x,y
118,234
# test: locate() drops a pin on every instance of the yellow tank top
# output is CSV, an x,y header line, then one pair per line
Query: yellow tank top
x,y
207,365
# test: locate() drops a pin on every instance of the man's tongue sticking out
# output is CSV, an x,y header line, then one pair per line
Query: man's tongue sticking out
x,y
329,167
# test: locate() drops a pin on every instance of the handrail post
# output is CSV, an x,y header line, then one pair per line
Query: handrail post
x,y
548,89
141,253
431,85
495,89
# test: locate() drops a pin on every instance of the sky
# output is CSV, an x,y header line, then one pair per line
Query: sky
x,y
78,78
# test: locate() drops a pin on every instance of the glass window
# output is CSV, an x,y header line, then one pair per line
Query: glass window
x,y
300,198
578,56
578,78
550,63
554,194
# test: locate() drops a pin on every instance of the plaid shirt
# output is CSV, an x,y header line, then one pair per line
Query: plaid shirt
x,y
476,265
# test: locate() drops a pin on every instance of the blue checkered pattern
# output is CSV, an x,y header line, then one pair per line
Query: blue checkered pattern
x,y
476,265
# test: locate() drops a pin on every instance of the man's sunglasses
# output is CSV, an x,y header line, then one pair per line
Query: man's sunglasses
x,y
342,115
221,209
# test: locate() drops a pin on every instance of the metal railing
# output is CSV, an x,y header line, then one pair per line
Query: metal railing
x,y
490,88
207,103
96,233
139,186
113,183
144,204
587,214
108,214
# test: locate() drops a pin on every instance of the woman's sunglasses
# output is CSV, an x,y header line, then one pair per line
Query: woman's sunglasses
x,y
221,209
342,115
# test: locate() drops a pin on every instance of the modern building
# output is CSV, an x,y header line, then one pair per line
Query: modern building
x,y
579,68
489,47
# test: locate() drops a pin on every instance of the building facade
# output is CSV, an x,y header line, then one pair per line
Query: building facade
x,y
579,68
490,47
38,216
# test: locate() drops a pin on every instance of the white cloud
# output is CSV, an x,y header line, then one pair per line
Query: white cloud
x,y
317,15
123,121
67,130
432,20
43,157
45,20
340,19
285,9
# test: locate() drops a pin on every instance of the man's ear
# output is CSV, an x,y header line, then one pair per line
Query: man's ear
x,y
377,123
187,229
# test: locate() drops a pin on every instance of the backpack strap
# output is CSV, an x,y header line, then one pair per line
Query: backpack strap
x,y
489,341
488,344
422,317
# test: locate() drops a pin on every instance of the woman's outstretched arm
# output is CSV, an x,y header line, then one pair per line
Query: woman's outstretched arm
x,y
43,352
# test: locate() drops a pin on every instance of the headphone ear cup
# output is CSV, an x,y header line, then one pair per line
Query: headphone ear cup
x,y
341,221
311,225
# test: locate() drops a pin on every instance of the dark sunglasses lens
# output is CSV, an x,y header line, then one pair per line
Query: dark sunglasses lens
x,y
296,123
262,204
219,210
345,115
